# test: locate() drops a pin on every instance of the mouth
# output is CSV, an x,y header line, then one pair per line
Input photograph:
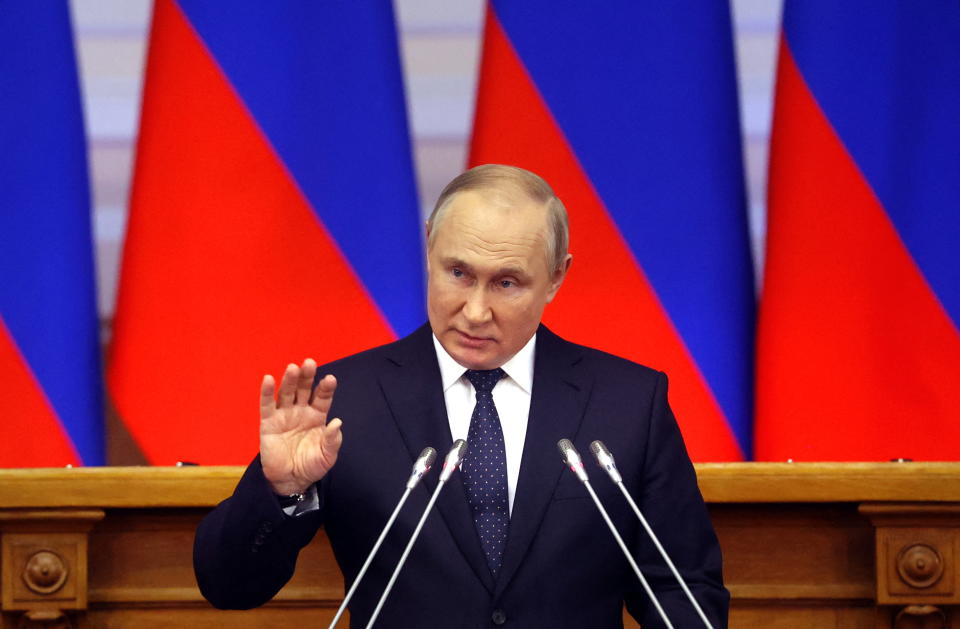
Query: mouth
x,y
472,341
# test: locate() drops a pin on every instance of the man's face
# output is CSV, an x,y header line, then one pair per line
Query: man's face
x,y
489,279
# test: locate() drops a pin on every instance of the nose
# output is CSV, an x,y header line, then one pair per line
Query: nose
x,y
476,309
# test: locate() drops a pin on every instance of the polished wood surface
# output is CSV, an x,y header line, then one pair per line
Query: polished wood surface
x,y
805,545
195,486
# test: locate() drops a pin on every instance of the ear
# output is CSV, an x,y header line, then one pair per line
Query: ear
x,y
426,244
558,276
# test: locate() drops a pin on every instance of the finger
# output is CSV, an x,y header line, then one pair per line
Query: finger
x,y
267,403
288,386
333,437
323,393
305,382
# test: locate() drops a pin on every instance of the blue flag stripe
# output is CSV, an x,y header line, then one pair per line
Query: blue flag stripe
x,y
47,296
323,81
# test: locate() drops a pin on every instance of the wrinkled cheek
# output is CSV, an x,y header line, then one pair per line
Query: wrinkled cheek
x,y
531,314
441,308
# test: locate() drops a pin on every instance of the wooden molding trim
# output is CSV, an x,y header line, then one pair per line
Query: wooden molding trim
x,y
826,592
318,595
110,487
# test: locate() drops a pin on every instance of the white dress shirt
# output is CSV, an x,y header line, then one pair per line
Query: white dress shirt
x,y
511,395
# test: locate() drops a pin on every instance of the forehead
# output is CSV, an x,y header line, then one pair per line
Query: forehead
x,y
493,224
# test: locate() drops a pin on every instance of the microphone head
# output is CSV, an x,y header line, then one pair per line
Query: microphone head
x,y
572,458
428,456
421,466
605,460
566,447
453,460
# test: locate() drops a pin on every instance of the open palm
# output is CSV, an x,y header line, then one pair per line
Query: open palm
x,y
297,445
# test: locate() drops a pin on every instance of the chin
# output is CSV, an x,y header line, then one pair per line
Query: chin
x,y
471,360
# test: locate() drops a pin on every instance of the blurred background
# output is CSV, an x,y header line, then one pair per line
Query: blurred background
x,y
440,47
763,200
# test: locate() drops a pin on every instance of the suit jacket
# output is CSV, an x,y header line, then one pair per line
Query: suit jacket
x,y
561,567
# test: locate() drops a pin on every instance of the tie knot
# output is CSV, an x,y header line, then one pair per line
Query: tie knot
x,y
483,380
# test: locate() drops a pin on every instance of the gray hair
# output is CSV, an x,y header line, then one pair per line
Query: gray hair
x,y
510,179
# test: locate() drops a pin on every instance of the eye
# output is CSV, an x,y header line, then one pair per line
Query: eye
x,y
507,283
456,272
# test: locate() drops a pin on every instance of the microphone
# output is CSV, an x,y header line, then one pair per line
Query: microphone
x,y
605,460
420,467
572,458
453,460
450,464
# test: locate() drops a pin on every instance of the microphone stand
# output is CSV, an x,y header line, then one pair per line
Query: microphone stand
x,y
605,460
420,467
572,458
450,464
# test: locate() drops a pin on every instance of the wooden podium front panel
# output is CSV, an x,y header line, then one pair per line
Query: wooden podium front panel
x,y
796,565
801,544
142,577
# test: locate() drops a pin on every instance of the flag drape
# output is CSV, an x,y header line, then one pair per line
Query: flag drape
x,y
629,109
49,333
858,342
273,214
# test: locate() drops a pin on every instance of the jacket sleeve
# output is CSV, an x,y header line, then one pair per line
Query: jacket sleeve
x,y
246,549
670,500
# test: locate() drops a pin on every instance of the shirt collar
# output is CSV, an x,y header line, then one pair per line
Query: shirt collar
x,y
519,368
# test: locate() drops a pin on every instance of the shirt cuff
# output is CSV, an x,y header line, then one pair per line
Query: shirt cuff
x,y
310,502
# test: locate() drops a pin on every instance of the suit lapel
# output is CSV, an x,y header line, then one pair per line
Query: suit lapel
x,y
560,392
412,387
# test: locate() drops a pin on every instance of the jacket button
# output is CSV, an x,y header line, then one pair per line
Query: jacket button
x,y
259,539
498,617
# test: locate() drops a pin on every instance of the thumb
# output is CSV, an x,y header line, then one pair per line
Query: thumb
x,y
333,436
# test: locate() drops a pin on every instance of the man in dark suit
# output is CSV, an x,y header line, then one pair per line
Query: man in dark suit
x,y
517,541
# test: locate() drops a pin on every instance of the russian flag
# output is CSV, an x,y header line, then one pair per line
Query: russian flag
x,y
49,332
273,214
859,337
629,110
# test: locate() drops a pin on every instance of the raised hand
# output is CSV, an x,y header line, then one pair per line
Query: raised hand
x,y
297,445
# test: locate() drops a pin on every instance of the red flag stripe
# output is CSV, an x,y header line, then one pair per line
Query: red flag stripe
x,y
33,436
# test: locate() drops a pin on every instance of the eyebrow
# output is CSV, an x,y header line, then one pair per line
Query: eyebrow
x,y
512,270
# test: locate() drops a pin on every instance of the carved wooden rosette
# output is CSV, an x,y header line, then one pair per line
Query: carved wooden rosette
x,y
44,566
917,553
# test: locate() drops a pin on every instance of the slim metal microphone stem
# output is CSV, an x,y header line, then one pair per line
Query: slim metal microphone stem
x,y
452,461
626,553
403,557
572,458
366,564
420,467
663,553
605,460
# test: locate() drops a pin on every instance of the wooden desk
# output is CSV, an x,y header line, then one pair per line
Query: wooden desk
x,y
851,545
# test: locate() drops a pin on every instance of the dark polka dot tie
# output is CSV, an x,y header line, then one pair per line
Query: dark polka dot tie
x,y
484,469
